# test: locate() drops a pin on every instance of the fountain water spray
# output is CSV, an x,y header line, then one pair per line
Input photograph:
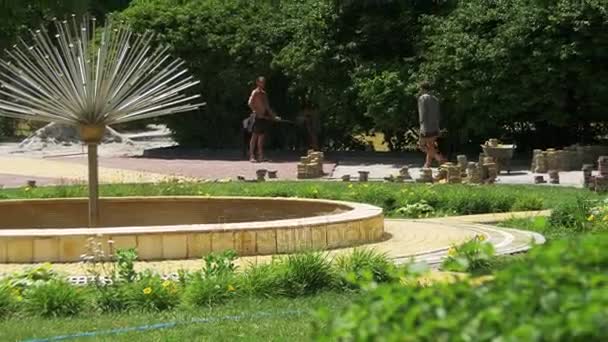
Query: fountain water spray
x,y
74,77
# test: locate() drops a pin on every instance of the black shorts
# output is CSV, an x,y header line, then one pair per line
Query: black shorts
x,y
261,126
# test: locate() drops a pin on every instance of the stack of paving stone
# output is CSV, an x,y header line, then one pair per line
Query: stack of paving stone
x,y
463,164
404,174
568,159
588,179
426,176
489,170
311,166
363,176
261,175
473,173
601,180
553,176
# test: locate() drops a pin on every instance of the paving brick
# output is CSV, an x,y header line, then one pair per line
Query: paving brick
x,y
319,237
71,248
266,241
150,247
245,242
199,245
20,250
175,246
222,241
46,250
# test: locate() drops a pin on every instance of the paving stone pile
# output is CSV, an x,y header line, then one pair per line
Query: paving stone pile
x,y
570,158
311,166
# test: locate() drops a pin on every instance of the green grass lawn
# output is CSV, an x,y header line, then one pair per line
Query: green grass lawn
x,y
244,319
394,198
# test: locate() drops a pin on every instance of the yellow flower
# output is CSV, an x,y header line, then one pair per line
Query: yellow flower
x,y
167,283
231,288
452,251
350,186
591,218
27,189
147,290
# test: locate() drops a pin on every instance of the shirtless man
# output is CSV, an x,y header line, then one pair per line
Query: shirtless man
x,y
429,115
258,102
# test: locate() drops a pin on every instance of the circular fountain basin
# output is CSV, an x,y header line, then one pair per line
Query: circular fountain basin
x,y
162,228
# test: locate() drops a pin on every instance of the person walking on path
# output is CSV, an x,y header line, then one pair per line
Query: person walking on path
x,y
429,117
262,116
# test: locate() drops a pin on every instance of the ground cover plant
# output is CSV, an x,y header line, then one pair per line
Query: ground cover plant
x,y
556,294
119,290
397,200
573,216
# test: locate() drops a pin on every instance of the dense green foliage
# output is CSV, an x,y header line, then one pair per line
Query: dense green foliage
x,y
507,66
501,68
557,294
40,291
17,17
397,200
573,216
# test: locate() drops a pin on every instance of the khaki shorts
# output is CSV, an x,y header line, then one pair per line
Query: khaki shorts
x,y
427,141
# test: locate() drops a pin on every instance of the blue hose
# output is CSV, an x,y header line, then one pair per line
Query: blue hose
x,y
159,326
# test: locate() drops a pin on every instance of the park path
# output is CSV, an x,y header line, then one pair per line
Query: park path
x,y
71,172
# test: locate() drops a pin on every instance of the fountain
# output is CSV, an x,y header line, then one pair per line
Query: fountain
x,y
75,79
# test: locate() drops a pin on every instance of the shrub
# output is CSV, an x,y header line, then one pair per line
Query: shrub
x,y
572,214
53,299
207,291
219,264
465,203
364,264
473,256
32,276
262,280
416,210
527,203
556,294
306,274
151,292
8,299
114,297
125,264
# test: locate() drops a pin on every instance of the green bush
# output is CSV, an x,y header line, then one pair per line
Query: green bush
x,y
125,264
416,210
53,299
8,299
305,274
110,298
527,203
572,214
207,291
151,292
219,264
364,264
558,293
473,256
261,280
32,276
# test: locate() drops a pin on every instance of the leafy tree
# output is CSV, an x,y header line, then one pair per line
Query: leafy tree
x,y
516,65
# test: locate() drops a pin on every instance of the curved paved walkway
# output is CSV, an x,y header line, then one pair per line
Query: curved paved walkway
x,y
425,240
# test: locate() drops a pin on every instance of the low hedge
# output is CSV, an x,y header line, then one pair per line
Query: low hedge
x,y
558,293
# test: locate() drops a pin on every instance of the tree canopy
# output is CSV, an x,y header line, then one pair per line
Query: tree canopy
x,y
522,70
